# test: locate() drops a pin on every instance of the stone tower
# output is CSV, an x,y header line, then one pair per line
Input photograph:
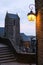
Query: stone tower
x,y
12,28
39,30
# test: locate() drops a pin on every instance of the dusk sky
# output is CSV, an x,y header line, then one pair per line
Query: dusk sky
x,y
20,7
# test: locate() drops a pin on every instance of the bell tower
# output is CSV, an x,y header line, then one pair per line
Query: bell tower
x,y
12,28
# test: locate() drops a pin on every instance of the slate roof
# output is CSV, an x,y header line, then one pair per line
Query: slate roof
x,y
1,31
26,38
10,15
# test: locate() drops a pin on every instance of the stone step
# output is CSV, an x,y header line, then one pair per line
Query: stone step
x,y
7,60
4,53
3,45
4,48
7,55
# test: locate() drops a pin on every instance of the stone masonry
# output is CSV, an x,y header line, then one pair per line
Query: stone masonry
x,y
12,28
39,29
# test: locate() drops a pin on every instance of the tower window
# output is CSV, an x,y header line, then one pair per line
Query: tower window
x,y
14,22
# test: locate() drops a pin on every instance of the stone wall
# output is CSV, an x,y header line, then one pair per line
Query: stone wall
x,y
12,28
39,29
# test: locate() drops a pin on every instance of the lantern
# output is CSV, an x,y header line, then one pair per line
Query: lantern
x,y
31,16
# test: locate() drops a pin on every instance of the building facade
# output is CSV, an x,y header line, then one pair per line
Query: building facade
x,y
28,43
39,30
12,28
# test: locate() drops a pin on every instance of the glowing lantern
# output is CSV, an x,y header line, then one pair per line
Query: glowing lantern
x,y
31,16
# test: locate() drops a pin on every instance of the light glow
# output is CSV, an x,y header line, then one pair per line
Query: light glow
x,y
31,17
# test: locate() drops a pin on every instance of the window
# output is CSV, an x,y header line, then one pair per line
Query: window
x,y
14,22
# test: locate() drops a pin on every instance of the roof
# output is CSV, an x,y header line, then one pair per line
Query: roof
x,y
10,15
1,31
27,38
24,37
34,38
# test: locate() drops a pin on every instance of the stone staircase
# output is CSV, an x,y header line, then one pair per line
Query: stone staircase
x,y
6,54
9,54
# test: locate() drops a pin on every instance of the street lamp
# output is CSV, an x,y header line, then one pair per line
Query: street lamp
x,y
31,15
